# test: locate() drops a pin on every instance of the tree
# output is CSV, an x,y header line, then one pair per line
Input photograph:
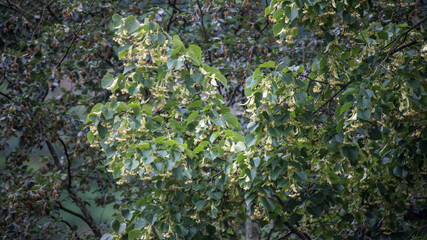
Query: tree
x,y
329,145
218,119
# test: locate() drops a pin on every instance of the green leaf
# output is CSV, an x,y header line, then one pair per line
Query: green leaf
x,y
399,171
300,98
350,152
134,234
107,81
123,51
90,136
268,203
232,121
131,24
194,104
291,13
250,140
148,109
176,41
277,28
345,107
143,146
175,155
136,108
195,54
107,236
301,176
200,204
240,147
269,64
364,114
193,116
201,146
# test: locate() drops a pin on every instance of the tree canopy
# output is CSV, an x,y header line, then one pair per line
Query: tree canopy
x,y
301,119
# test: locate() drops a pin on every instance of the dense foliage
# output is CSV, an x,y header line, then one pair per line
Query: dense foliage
x,y
218,119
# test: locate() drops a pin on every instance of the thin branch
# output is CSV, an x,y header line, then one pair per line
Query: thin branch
x,y
13,7
5,95
68,162
230,99
66,223
404,33
79,202
406,46
73,40
38,25
322,82
299,234
50,10
286,236
54,155
332,98
205,35
73,213
171,19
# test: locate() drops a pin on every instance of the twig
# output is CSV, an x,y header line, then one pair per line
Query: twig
x,y
216,174
299,234
87,217
405,46
230,99
73,213
54,155
417,231
13,7
73,40
174,10
205,35
322,82
404,33
332,98
68,162
5,95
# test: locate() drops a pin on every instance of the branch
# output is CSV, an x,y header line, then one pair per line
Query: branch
x,y
73,213
404,33
5,95
68,224
50,10
205,35
54,155
332,98
13,7
73,40
322,82
68,162
38,25
293,230
174,10
87,217
405,46
244,71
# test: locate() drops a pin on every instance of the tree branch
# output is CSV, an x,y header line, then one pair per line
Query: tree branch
x,y
6,96
405,46
73,40
68,162
205,35
332,98
54,155
404,33
293,230
87,217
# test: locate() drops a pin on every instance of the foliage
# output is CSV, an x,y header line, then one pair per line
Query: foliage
x,y
213,119
330,147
